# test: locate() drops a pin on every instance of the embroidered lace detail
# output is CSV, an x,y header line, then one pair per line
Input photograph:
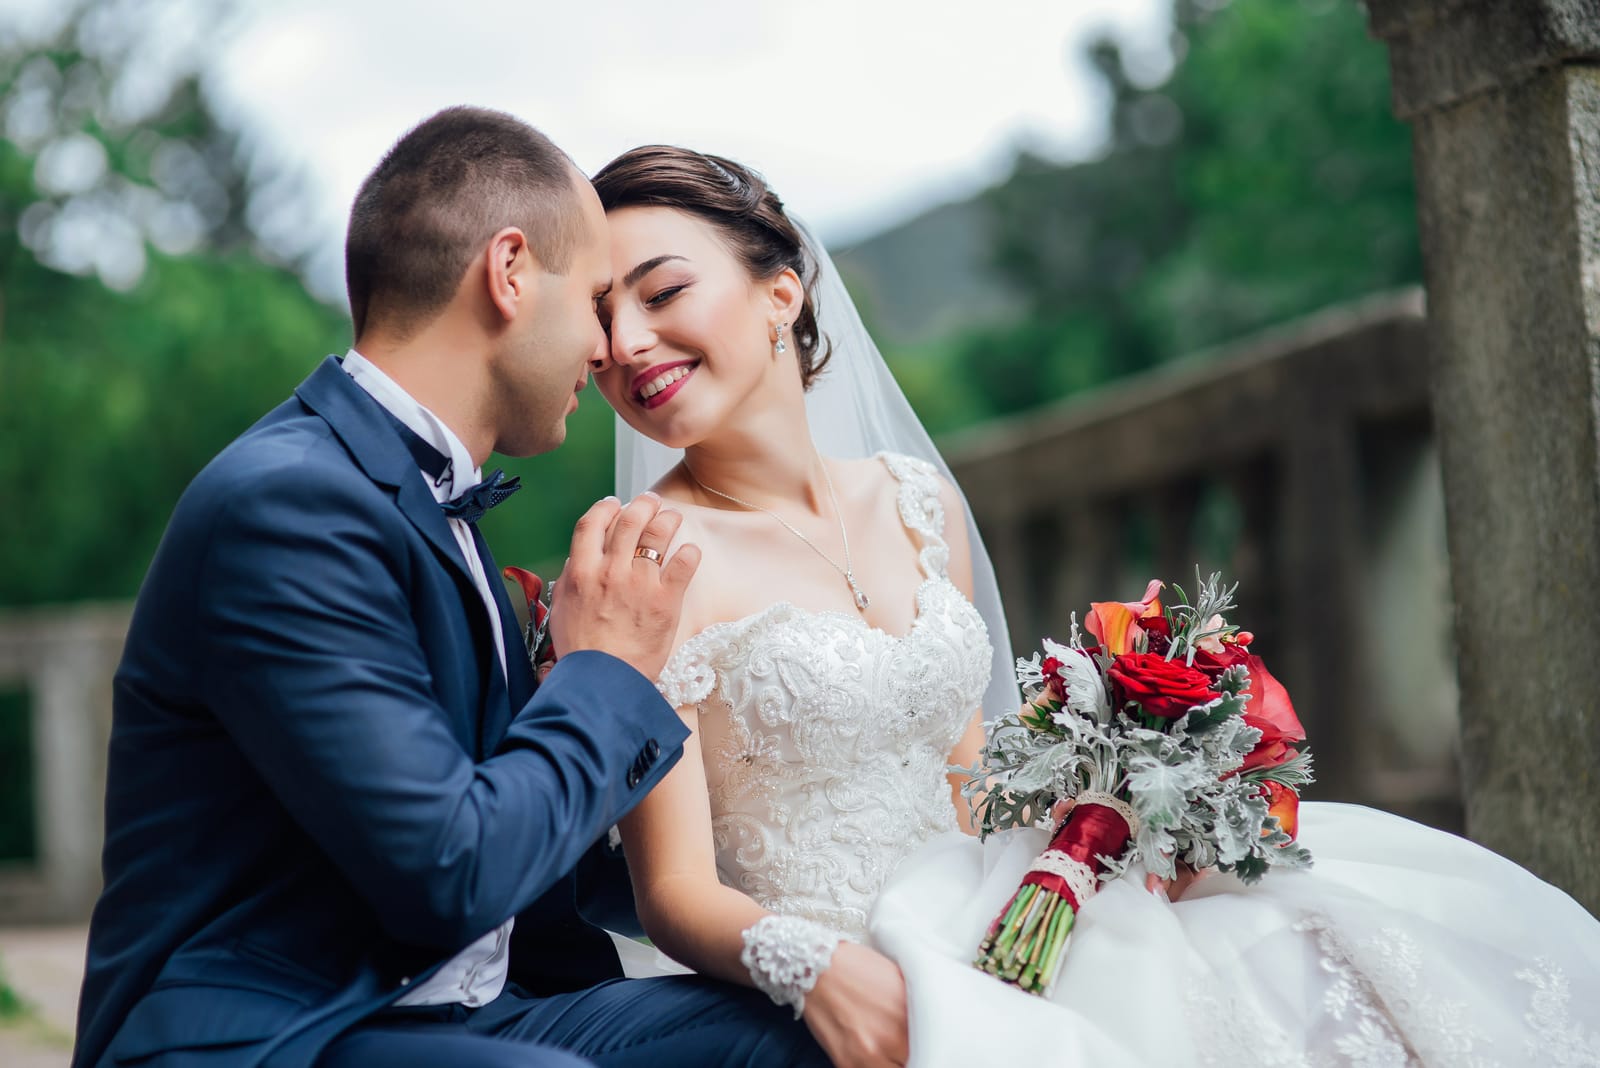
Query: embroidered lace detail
x,y
920,508
1557,1038
1377,1011
825,740
1229,1033
786,956
688,677
1079,877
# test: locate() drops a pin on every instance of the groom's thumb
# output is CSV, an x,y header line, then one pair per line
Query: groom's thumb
x,y
677,572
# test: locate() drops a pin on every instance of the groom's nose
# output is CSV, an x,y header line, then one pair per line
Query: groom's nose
x,y
600,358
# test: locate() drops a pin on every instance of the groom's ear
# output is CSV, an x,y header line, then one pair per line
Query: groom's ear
x,y
509,268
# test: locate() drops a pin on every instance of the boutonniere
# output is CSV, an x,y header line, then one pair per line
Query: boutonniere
x,y
532,609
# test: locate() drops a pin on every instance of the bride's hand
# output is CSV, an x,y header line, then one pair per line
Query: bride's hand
x,y
857,1010
1172,889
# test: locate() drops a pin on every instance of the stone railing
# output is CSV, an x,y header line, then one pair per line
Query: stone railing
x,y
1300,463
62,659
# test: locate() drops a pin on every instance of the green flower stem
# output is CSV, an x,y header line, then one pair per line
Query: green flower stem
x,y
1058,956
1008,934
1036,911
1017,901
1040,943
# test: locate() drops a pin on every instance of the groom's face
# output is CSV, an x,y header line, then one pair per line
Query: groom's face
x,y
549,359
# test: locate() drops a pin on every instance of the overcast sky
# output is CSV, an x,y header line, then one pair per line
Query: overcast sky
x,y
860,112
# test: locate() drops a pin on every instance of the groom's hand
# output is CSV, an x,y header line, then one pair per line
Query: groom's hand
x,y
613,599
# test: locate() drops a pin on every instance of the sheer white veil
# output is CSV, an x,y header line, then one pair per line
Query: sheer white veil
x,y
855,409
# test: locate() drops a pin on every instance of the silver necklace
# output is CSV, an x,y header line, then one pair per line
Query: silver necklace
x,y
847,570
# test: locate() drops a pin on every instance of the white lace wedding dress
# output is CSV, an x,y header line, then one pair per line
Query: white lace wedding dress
x,y
825,742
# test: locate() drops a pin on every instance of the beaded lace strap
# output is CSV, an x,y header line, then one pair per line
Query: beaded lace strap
x,y
785,956
920,509
690,675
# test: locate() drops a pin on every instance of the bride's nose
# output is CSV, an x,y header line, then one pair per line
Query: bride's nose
x,y
631,337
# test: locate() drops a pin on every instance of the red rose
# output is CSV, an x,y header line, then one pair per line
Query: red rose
x,y
1162,687
1283,803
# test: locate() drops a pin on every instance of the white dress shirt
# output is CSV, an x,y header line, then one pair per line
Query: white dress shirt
x,y
477,974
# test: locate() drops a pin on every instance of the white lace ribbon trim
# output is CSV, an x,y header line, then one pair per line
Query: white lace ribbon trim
x,y
1079,877
785,956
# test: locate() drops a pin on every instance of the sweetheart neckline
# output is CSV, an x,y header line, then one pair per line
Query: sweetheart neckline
x,y
828,613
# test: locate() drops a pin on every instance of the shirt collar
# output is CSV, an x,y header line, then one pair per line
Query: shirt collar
x,y
462,473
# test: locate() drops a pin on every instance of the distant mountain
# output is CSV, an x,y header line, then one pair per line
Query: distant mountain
x,y
929,277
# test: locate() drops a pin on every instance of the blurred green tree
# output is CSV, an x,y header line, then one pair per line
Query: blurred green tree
x,y
1264,178
142,322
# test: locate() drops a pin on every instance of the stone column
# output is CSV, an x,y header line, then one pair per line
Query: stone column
x,y
1504,101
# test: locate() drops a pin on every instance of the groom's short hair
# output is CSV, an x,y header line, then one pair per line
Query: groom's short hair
x,y
439,194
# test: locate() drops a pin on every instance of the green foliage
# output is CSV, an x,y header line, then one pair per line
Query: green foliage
x,y
122,398
12,1007
1265,179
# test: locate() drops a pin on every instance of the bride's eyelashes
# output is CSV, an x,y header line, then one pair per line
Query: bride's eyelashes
x,y
665,295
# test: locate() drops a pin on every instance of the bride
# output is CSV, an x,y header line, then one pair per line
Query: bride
x,y
840,649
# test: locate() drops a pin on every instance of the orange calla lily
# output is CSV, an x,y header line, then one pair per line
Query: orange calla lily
x,y
1115,624
1283,803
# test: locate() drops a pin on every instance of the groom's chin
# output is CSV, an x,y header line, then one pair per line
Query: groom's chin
x,y
529,442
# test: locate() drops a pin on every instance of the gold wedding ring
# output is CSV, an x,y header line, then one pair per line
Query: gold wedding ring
x,y
649,554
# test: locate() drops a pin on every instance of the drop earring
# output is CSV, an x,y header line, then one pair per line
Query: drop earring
x,y
780,348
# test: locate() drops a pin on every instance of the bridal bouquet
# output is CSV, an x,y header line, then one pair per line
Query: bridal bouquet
x,y
1166,740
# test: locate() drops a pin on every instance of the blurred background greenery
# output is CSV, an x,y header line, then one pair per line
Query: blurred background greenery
x,y
1262,179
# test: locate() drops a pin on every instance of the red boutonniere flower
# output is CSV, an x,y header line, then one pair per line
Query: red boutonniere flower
x,y
534,615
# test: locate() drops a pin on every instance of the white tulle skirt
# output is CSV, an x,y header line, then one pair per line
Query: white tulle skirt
x,y
1402,945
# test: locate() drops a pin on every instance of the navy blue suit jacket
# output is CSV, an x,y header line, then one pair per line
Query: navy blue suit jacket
x,y
319,787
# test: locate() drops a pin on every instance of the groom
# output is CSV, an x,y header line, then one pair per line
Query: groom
x,y
344,825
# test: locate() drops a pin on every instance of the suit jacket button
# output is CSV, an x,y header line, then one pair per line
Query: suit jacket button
x,y
652,749
634,777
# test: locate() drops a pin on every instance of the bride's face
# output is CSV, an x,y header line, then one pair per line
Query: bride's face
x,y
690,330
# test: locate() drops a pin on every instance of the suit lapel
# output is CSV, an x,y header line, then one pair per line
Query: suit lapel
x,y
504,703
363,426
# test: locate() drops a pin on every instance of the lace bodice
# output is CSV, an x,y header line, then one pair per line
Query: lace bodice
x,y
825,739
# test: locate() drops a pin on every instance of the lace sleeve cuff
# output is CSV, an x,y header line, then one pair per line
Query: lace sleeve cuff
x,y
786,955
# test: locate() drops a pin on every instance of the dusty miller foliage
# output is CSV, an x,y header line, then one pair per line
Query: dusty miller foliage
x,y
1171,773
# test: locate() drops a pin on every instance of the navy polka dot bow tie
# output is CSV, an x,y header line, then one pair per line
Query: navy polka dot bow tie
x,y
471,504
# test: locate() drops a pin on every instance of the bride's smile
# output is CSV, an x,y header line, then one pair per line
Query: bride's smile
x,y
654,386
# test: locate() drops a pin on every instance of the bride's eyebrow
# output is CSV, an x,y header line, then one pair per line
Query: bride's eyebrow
x,y
633,276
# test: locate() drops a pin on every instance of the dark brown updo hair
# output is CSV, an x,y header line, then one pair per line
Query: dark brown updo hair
x,y
737,202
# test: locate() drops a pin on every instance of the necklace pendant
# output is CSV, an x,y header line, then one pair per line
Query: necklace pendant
x,y
861,599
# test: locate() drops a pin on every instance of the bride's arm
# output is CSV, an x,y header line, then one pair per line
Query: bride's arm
x,y
856,1010
970,747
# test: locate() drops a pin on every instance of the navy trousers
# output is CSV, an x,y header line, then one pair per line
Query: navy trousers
x,y
669,1022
